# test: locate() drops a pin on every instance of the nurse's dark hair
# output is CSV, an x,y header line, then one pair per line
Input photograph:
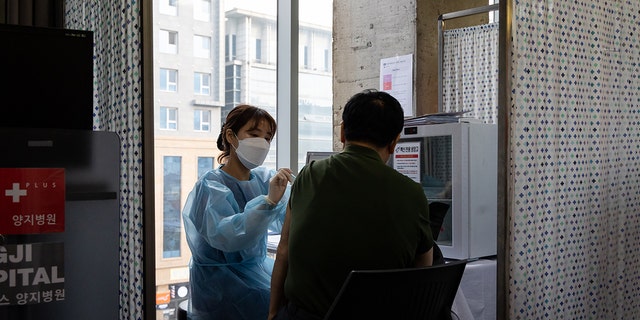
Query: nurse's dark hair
x,y
374,117
237,118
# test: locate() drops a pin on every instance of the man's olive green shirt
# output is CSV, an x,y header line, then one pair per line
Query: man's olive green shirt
x,y
351,211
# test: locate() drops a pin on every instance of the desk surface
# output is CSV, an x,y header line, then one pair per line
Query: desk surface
x,y
476,298
272,242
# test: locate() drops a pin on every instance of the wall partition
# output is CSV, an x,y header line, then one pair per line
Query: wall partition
x,y
573,224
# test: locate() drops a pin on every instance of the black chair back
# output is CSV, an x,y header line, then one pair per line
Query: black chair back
x,y
437,212
182,310
399,294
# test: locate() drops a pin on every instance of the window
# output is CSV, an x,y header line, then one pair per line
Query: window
x,y
168,41
201,46
305,57
230,47
494,16
168,80
232,87
202,83
327,60
204,165
169,7
315,112
168,118
202,10
201,120
226,37
258,50
171,204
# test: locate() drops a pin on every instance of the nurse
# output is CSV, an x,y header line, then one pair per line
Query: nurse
x,y
227,217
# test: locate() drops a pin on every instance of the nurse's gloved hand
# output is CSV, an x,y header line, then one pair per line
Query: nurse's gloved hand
x,y
278,184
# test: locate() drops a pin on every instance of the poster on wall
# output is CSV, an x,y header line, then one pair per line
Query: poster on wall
x,y
396,78
32,200
406,159
31,273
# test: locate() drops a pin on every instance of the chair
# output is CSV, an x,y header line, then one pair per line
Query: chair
x,y
437,212
413,293
182,310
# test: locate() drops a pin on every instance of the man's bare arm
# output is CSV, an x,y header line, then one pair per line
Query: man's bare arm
x,y
424,259
280,268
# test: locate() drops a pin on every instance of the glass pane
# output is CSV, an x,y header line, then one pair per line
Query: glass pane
x,y
251,20
163,79
202,10
216,40
196,83
163,118
315,127
204,164
171,208
197,121
435,177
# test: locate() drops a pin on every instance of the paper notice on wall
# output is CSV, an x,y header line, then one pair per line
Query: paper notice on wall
x,y
31,273
396,78
32,200
406,159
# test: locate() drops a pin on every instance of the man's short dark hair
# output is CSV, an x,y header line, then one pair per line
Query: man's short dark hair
x,y
374,117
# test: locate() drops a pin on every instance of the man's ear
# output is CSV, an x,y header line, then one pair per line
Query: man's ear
x,y
392,145
342,132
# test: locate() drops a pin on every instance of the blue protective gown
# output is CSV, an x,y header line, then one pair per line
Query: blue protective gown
x,y
226,222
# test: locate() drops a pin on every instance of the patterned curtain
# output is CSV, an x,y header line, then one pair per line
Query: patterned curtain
x,y
470,71
118,108
575,152
40,13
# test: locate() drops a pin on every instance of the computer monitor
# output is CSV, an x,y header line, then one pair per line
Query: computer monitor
x,y
47,77
318,155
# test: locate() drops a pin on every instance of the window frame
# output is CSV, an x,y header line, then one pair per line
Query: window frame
x,y
166,75
199,87
167,46
200,171
201,6
199,123
199,46
258,50
169,189
230,45
168,7
168,116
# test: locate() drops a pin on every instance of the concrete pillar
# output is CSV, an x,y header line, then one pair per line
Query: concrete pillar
x,y
365,31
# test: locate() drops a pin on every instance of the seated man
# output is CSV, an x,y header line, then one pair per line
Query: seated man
x,y
350,211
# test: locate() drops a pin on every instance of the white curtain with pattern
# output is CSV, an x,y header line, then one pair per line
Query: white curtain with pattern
x,y
118,108
574,219
470,71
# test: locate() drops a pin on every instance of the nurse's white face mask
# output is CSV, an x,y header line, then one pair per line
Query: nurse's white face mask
x,y
252,151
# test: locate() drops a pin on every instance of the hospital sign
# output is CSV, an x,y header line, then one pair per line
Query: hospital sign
x,y
32,200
